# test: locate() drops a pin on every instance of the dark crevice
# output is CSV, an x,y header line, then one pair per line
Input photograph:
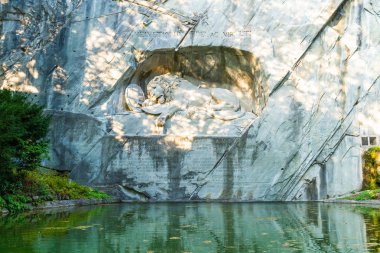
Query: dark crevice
x,y
142,195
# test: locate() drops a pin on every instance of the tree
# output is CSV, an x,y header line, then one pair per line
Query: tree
x,y
23,128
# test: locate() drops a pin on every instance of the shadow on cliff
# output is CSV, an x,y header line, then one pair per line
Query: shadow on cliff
x,y
80,63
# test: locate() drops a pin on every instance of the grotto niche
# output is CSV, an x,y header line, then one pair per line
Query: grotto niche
x,y
195,91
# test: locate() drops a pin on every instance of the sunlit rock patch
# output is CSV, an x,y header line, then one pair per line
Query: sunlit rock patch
x,y
305,70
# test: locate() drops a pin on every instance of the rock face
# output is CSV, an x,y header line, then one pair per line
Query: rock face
x,y
308,69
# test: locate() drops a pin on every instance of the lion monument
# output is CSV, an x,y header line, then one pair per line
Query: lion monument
x,y
167,94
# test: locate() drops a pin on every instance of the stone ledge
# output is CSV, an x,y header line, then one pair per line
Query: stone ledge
x,y
76,202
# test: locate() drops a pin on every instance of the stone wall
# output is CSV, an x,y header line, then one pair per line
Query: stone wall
x,y
318,72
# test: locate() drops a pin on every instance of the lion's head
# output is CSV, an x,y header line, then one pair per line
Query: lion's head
x,y
161,88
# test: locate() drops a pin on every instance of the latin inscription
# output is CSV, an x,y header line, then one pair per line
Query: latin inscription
x,y
202,34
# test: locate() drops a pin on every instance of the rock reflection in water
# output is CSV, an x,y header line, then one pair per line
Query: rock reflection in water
x,y
193,227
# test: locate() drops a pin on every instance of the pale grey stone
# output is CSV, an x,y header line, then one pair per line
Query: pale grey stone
x,y
75,202
134,97
169,94
306,74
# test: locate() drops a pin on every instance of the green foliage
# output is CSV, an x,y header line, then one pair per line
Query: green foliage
x,y
62,188
16,203
2,203
23,127
371,176
37,187
365,195
51,186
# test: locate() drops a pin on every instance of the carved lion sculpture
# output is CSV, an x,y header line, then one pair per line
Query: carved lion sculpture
x,y
168,94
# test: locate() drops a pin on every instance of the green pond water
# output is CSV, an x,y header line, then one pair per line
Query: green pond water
x,y
195,227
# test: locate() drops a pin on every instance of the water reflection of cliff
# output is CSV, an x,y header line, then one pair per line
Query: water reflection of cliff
x,y
183,227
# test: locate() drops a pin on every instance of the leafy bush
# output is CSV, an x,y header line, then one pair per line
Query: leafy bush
x,y
16,203
2,203
51,186
63,188
37,187
23,127
371,176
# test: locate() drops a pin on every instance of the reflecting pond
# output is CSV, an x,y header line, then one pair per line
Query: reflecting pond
x,y
195,227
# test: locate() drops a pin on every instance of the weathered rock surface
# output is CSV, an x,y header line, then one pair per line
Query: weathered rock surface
x,y
308,69
76,202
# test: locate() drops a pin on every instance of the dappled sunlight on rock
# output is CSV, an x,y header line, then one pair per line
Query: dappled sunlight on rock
x,y
84,101
32,70
18,81
370,122
182,143
28,89
304,73
117,127
134,124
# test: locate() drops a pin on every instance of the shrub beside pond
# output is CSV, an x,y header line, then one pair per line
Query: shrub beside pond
x,y
371,176
23,144
365,195
51,186
37,187
371,168
23,127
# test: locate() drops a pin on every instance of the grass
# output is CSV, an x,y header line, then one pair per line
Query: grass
x,y
364,195
36,187
58,187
